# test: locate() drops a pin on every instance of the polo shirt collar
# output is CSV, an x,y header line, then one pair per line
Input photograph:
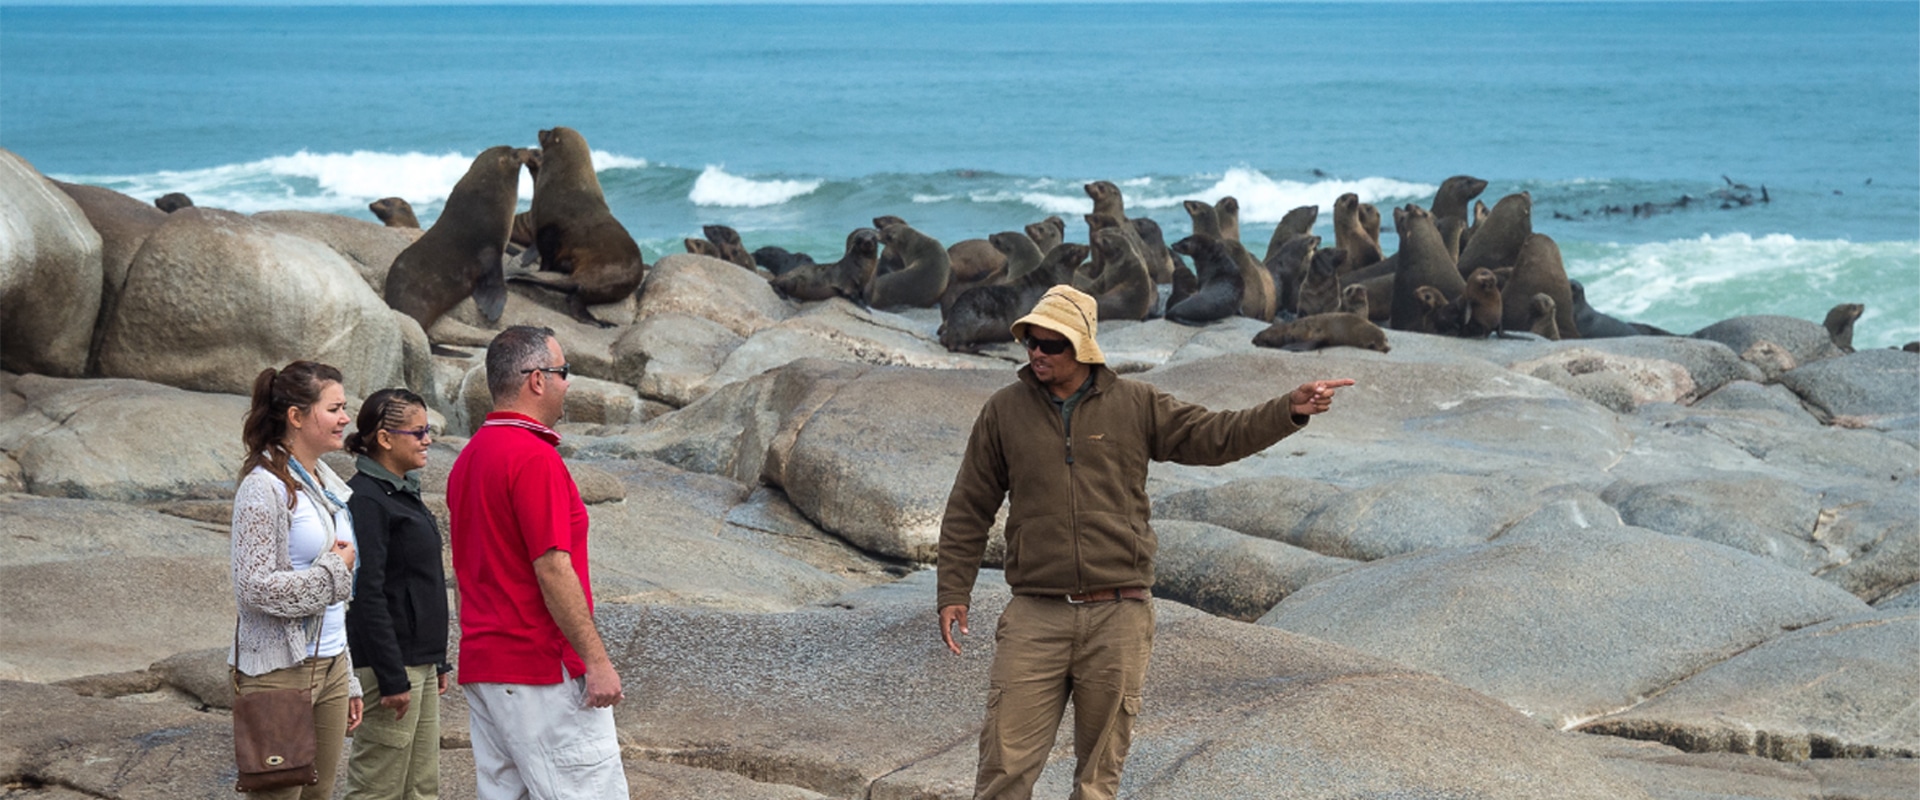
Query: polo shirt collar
x,y
373,469
509,419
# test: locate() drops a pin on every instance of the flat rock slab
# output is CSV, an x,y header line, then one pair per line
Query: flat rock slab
x,y
123,440
1843,688
1564,625
1773,343
1270,508
1419,512
716,290
1231,574
1671,774
857,696
1867,389
840,331
112,748
82,583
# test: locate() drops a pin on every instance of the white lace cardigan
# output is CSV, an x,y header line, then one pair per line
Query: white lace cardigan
x,y
276,601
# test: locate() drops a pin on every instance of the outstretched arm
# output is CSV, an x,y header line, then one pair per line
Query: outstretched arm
x,y
1315,397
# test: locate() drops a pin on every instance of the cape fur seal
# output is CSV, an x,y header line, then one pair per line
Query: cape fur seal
x,y
1226,211
1496,242
1047,232
460,256
1839,324
1160,260
975,260
1537,270
584,251
728,240
779,261
1298,222
1124,290
1542,313
1259,298
1353,300
394,212
1108,200
1479,305
1320,291
846,278
1337,329
1220,286
985,314
1450,201
1423,261
174,201
702,247
1594,324
889,261
1021,253
1432,306
922,278
1289,267
1350,234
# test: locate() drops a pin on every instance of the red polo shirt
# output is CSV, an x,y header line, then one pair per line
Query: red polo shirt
x,y
511,500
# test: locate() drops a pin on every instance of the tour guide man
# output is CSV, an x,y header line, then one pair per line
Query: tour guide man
x,y
1071,441
540,688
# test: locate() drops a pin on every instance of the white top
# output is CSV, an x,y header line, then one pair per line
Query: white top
x,y
307,538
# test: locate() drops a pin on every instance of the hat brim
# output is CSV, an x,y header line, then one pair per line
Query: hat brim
x,y
1084,350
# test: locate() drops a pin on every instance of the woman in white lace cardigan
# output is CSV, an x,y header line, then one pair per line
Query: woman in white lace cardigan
x,y
293,557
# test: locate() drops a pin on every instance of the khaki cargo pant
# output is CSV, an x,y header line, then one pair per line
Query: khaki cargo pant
x,y
327,678
397,759
1045,650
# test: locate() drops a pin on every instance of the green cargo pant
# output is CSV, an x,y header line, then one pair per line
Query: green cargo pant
x,y
1045,650
397,759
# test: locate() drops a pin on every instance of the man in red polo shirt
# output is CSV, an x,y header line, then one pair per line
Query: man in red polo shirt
x,y
540,688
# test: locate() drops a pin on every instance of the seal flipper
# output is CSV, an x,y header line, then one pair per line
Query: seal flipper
x,y
490,287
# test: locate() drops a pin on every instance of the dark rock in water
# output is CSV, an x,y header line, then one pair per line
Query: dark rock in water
x,y
1231,574
1775,344
1763,701
1867,389
1534,619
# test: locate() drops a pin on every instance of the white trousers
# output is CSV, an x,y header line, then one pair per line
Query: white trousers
x,y
543,743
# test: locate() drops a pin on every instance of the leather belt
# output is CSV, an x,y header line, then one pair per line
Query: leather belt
x,y
1108,595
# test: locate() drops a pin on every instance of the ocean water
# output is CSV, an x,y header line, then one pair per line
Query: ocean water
x,y
795,124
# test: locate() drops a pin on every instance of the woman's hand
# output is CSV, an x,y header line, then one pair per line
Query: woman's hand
x,y
345,551
399,703
443,682
354,707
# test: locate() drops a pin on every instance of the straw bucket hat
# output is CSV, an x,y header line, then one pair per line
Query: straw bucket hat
x,y
1071,313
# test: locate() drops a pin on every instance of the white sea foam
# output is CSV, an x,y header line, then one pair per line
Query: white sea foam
x,y
1686,284
924,199
716,187
1263,199
321,181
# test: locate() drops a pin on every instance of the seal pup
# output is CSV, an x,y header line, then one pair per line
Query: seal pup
x,y
1537,269
1496,242
779,261
922,279
1298,222
1479,305
1124,290
1432,306
1350,234
1220,283
1108,200
1259,298
1353,300
846,278
1289,267
985,314
1336,329
460,256
394,212
702,247
1543,314
1423,261
174,201
1160,260
728,240
584,251
1047,232
1021,254
1839,324
1320,292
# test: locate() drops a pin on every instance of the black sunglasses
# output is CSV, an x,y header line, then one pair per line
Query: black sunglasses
x,y
1052,347
418,433
559,370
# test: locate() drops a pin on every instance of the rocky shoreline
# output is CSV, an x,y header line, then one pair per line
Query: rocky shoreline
x,y
1651,566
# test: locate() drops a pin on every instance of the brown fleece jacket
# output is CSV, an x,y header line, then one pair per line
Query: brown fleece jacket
x,y
1078,519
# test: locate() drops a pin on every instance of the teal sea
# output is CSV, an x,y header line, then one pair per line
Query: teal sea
x,y
797,123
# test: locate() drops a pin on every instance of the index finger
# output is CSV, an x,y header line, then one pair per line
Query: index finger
x,y
1329,384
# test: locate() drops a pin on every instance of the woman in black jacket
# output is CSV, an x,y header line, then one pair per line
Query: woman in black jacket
x,y
397,625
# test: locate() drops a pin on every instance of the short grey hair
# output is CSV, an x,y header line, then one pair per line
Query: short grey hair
x,y
518,348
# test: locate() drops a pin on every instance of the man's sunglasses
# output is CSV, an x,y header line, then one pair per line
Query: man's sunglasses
x,y
1052,347
559,370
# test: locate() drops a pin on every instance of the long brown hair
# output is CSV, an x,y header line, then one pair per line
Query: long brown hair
x,y
386,408
298,385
